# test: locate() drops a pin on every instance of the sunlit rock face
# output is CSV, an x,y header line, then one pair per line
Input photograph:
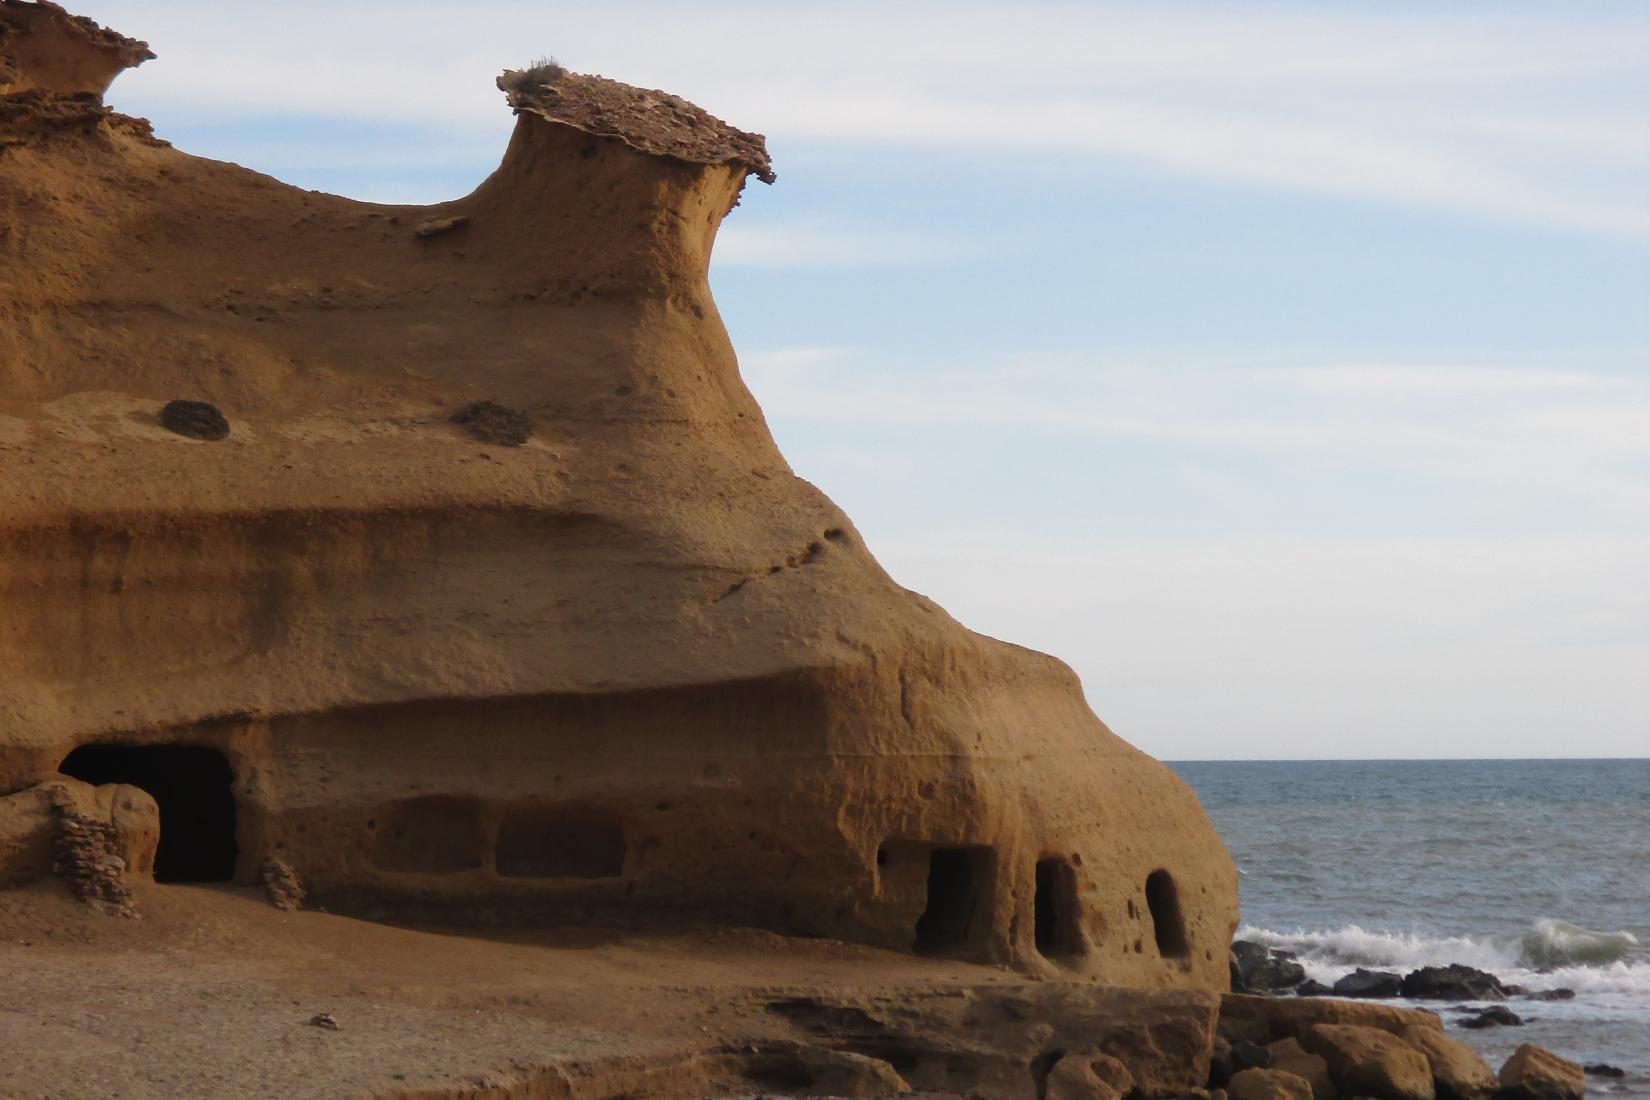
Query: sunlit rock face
x,y
487,587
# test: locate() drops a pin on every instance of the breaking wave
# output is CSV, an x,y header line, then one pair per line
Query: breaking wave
x,y
1551,953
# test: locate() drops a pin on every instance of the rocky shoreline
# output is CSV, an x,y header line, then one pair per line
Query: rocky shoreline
x,y
1259,970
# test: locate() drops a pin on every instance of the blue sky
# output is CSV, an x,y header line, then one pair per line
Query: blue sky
x,y
1284,368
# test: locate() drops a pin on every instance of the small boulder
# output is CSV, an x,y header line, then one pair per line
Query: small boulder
x,y
194,419
1365,1061
1368,983
1560,994
1248,1055
1312,988
1268,1084
1089,1076
1493,1016
281,885
1452,983
1604,1069
1266,970
1289,1056
1457,1072
1536,1074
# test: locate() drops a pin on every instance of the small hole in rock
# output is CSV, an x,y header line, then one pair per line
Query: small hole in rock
x,y
490,422
195,420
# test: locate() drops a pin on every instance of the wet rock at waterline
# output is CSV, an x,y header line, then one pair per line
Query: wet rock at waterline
x,y
1454,982
1368,983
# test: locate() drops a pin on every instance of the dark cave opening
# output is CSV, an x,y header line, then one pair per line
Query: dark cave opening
x,y
191,784
1055,910
1169,927
956,876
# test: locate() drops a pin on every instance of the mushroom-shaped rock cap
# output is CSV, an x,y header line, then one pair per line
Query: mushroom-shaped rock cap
x,y
44,48
650,121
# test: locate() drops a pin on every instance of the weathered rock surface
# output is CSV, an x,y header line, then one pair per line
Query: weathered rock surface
x,y
1268,1019
1457,1070
1536,1074
1268,1084
1089,1075
1289,1056
1454,982
27,826
986,1041
1367,1061
628,665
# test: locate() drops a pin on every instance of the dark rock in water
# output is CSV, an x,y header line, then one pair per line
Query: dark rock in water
x,y
1368,983
1265,969
1235,973
1247,1055
490,422
195,419
1516,990
1312,988
1551,995
1494,1016
1452,983
1604,1069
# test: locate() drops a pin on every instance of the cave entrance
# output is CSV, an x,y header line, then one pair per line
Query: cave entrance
x,y
191,785
1164,902
1055,910
958,879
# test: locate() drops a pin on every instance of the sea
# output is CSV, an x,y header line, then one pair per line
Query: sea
x,y
1535,870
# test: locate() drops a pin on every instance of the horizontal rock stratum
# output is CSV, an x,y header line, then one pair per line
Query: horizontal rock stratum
x,y
440,557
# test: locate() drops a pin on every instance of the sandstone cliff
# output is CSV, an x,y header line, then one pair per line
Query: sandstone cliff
x,y
631,665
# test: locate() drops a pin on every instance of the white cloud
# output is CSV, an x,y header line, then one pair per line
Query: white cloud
x,y
1386,379
1551,430
1531,114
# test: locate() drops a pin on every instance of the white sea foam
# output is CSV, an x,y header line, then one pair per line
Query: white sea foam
x,y
1552,953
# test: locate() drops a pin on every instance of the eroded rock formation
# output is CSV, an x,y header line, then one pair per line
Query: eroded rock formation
x,y
631,665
